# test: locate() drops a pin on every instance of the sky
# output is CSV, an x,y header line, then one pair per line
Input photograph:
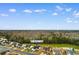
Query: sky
x,y
39,16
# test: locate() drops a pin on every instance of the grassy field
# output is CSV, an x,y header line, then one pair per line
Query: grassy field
x,y
60,45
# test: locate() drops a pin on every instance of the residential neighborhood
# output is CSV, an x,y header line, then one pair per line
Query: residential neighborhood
x,y
15,48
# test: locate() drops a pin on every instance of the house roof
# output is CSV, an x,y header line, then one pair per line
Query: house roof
x,y
3,49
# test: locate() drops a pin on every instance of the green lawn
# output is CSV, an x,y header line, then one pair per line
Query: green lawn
x,y
60,45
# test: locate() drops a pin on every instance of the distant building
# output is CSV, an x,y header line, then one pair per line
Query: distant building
x,y
37,41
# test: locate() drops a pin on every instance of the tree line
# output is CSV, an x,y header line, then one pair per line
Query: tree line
x,y
47,37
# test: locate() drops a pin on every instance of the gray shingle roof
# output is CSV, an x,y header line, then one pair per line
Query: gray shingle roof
x,y
3,49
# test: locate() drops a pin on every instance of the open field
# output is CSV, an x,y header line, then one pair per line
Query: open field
x,y
60,45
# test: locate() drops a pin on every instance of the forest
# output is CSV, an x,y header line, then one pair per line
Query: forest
x,y
48,36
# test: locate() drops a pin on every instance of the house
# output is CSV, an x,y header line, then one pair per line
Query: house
x,y
3,50
37,41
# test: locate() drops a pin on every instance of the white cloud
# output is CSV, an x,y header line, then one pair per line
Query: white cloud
x,y
69,21
40,10
75,21
59,7
74,11
68,9
27,11
68,18
3,14
12,10
76,14
55,14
